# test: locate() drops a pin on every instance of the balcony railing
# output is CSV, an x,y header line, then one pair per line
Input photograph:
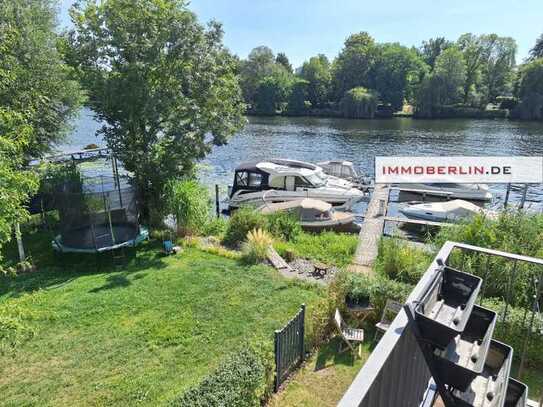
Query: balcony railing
x,y
396,373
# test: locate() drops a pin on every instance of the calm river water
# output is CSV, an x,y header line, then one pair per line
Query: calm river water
x,y
359,141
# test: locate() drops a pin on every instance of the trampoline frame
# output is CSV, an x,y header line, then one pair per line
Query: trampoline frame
x,y
58,246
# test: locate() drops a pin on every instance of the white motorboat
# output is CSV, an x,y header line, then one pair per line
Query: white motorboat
x,y
451,211
279,180
476,192
341,169
315,215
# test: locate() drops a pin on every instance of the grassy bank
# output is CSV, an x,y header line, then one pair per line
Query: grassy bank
x,y
140,333
333,248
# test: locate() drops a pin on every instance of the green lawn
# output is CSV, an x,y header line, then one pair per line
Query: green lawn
x,y
324,378
333,248
136,334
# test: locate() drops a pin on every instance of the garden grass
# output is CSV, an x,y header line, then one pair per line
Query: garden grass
x,y
323,379
139,334
333,248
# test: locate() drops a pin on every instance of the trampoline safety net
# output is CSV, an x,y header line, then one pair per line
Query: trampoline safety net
x,y
101,214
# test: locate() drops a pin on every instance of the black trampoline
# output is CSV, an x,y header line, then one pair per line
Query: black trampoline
x,y
96,215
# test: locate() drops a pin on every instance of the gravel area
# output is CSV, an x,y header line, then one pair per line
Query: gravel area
x,y
305,268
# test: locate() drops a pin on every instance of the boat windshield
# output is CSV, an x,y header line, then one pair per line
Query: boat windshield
x,y
316,179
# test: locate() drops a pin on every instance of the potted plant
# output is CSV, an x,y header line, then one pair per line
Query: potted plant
x,y
357,293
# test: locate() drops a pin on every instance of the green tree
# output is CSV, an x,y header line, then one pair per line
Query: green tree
x,y
273,92
397,72
282,60
359,103
317,73
450,67
297,97
530,91
432,48
537,51
40,85
17,184
444,86
164,85
472,48
259,64
353,64
499,61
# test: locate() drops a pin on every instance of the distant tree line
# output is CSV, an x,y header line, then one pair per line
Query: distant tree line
x,y
441,78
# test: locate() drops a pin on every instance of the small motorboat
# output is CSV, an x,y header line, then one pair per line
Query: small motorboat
x,y
475,192
443,211
345,170
280,180
315,215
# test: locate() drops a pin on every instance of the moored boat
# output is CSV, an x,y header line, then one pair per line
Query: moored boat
x,y
280,180
315,215
475,192
443,211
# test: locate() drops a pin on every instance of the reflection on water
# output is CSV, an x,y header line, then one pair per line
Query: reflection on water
x,y
359,141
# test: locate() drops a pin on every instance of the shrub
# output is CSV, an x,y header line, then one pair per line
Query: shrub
x,y
515,329
284,225
242,379
188,201
161,234
400,261
215,227
359,103
255,249
240,223
514,232
359,285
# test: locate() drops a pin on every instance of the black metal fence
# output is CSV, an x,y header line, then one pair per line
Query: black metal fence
x,y
289,347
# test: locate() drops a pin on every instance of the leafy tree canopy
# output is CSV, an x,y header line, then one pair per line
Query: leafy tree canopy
x,y
259,64
34,80
317,73
537,51
273,92
450,66
164,85
17,184
282,59
499,61
397,72
530,91
359,103
432,48
354,62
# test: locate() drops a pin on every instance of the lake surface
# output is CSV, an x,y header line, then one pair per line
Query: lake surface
x,y
359,141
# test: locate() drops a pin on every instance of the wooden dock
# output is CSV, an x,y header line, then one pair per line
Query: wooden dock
x,y
371,230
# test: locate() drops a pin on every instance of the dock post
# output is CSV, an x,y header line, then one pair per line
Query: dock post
x,y
507,195
524,192
217,208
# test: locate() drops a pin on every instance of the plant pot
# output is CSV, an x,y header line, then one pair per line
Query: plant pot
x,y
490,387
464,358
443,312
517,394
357,303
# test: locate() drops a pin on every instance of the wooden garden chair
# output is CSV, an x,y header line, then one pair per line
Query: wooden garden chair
x,y
392,308
351,336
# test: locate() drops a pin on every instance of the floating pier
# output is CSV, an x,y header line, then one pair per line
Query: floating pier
x,y
371,230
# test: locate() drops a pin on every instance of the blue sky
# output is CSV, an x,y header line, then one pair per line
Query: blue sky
x,y
303,28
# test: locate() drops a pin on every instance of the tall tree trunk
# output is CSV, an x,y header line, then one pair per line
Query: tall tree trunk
x,y
20,247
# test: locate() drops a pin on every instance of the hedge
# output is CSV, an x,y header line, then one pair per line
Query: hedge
x,y
514,331
243,379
